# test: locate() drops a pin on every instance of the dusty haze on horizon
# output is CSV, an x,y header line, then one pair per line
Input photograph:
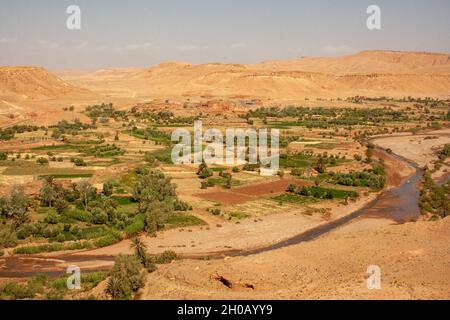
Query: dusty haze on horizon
x,y
144,33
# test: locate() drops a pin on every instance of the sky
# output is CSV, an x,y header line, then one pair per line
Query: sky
x,y
135,33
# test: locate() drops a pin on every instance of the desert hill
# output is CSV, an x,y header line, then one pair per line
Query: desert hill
x,y
371,73
35,83
369,62
29,92
34,90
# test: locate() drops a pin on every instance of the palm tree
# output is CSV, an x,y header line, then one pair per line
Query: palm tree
x,y
140,250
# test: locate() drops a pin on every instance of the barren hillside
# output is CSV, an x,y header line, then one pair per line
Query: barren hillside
x,y
35,83
33,93
371,73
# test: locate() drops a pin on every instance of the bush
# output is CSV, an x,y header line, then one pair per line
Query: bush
x,y
291,188
78,162
180,205
51,218
53,247
297,172
108,240
324,193
42,161
60,238
15,291
125,277
138,225
79,215
215,211
8,238
164,258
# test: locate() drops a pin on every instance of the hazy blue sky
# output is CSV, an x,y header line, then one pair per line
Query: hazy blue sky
x,y
118,33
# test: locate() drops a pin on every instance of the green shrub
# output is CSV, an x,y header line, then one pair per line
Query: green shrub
x,y
8,238
15,291
108,240
179,205
125,277
325,193
52,247
51,218
164,258
291,187
178,220
42,161
79,215
215,211
136,226
92,232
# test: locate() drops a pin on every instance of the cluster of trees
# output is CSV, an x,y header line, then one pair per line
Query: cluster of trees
x,y
374,178
60,223
64,127
153,134
434,199
128,273
426,100
162,117
156,203
321,193
203,171
103,151
290,111
104,110
15,207
8,133
226,178
156,197
325,117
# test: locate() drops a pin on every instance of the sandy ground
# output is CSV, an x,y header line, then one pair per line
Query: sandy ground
x,y
416,148
226,235
414,259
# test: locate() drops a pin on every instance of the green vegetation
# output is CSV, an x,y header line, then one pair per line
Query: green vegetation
x,y
222,181
318,193
41,287
178,220
53,247
434,199
8,133
203,171
291,197
325,118
65,176
152,134
308,160
103,151
125,277
374,178
162,156
238,215
103,112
